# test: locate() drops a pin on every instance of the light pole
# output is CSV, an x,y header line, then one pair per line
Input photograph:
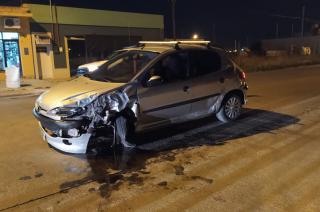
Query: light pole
x,y
302,19
51,16
173,15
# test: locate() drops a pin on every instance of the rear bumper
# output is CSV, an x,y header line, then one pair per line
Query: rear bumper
x,y
74,145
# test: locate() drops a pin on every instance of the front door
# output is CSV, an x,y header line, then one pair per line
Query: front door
x,y
169,101
45,64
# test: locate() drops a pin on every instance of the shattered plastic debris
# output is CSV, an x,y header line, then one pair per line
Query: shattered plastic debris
x,y
104,111
106,107
118,101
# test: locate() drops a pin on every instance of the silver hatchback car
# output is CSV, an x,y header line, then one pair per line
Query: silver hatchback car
x,y
148,86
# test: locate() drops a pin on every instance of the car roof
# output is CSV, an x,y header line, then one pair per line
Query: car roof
x,y
149,48
163,46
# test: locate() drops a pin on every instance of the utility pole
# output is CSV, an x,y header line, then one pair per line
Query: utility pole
x,y
52,23
277,30
214,39
302,19
235,45
292,30
173,14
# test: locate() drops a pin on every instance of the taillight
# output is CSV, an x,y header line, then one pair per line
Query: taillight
x,y
242,75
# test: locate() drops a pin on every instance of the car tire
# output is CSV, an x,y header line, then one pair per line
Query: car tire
x,y
230,108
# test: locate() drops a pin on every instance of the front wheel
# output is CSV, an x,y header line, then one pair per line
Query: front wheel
x,y
230,109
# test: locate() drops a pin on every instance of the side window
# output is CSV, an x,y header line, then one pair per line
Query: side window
x,y
171,68
226,62
204,62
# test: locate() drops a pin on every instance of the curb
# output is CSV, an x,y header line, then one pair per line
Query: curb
x,y
21,95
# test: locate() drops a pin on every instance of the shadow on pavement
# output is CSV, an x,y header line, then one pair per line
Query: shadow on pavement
x,y
114,166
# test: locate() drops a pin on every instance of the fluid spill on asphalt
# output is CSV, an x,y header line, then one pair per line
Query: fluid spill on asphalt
x,y
113,167
168,157
25,178
92,190
179,170
163,183
37,175
207,180
219,199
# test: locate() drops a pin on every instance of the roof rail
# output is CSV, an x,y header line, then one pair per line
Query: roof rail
x,y
194,42
176,43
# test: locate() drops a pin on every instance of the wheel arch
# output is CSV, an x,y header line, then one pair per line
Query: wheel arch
x,y
238,92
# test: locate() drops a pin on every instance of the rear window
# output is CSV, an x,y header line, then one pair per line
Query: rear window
x,y
204,62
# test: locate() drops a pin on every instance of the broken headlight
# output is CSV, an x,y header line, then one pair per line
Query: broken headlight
x,y
77,107
66,111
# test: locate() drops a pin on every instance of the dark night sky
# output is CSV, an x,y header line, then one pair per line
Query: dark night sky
x,y
246,20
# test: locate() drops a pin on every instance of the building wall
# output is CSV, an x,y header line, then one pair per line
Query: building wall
x,y
73,22
26,56
91,17
26,53
64,22
24,21
81,30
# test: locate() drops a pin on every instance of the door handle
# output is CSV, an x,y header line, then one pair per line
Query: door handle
x,y
221,79
186,88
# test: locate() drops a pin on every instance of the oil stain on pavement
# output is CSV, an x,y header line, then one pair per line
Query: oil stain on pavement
x,y
113,167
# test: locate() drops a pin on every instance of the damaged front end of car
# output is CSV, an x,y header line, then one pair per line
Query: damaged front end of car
x,y
74,126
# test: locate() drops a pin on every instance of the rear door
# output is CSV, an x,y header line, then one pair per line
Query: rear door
x,y
208,79
169,101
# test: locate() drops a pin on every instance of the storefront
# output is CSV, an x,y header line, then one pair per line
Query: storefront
x,y
15,42
50,42
9,50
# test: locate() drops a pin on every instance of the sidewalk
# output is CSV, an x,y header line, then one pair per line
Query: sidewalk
x,y
29,87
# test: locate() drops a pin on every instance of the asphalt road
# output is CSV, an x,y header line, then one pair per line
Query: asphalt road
x,y
267,161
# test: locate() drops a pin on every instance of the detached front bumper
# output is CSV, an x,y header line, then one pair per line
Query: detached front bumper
x,y
73,145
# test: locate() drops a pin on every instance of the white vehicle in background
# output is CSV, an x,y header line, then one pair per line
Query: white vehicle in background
x,y
91,67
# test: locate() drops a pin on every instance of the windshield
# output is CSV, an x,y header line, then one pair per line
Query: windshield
x,y
114,54
123,67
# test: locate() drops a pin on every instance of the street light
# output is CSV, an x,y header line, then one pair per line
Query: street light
x,y
173,14
195,36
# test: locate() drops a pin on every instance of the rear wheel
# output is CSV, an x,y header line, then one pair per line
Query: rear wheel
x,y
230,109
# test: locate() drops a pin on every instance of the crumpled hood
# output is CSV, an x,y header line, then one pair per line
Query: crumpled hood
x,y
81,88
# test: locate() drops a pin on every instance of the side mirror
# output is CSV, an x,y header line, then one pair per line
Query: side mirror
x,y
154,81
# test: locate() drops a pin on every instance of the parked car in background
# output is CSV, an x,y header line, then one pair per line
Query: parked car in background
x,y
91,67
155,84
